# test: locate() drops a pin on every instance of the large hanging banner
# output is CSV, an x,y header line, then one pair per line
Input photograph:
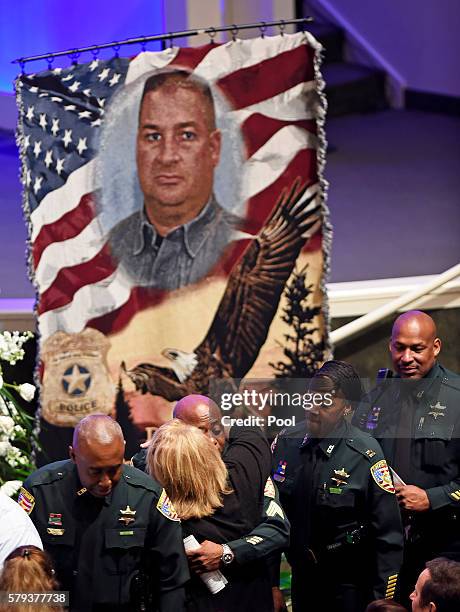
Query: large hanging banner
x,y
171,200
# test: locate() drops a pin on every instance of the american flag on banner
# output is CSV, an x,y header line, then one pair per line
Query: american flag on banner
x,y
271,87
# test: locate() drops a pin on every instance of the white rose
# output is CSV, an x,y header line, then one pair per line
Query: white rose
x,y
5,447
6,425
26,391
1,380
11,487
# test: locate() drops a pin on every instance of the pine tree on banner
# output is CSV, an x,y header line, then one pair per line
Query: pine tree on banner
x,y
304,355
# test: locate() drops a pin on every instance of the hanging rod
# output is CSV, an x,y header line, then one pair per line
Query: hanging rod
x,y
212,31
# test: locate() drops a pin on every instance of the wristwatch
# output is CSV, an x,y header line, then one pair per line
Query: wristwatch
x,y
227,554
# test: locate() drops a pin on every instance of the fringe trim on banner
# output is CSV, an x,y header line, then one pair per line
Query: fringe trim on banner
x,y
327,230
18,85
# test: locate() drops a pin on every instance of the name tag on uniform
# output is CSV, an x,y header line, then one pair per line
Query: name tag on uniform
x,y
54,531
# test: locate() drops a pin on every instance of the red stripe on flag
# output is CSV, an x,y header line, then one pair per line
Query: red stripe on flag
x,y
258,129
68,226
303,165
255,83
69,280
139,299
190,57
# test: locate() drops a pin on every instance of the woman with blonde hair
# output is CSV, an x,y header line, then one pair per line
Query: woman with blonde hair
x,y
189,468
28,570
213,501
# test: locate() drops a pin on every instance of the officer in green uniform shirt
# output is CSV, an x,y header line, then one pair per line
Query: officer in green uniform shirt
x,y
416,419
346,533
114,537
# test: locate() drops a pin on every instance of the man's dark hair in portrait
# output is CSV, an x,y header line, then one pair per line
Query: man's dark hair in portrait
x,y
181,231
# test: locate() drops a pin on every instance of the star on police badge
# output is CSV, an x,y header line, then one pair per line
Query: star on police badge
x,y
127,516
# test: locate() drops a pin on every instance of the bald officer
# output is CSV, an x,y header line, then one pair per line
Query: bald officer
x,y
114,537
416,419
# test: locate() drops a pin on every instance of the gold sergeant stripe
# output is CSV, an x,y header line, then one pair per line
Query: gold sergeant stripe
x,y
456,496
391,586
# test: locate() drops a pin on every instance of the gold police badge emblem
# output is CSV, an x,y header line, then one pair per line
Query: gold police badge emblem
x,y
76,378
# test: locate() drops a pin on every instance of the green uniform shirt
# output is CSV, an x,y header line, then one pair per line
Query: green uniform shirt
x,y
100,546
346,519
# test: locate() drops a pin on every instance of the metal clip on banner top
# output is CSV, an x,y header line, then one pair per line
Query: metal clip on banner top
x,y
142,40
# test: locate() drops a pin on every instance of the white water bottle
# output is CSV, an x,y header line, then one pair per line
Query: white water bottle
x,y
215,581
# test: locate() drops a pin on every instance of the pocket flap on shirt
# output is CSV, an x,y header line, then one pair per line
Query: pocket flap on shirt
x,y
345,499
435,431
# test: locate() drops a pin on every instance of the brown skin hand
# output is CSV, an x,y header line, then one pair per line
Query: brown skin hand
x,y
207,558
412,498
279,605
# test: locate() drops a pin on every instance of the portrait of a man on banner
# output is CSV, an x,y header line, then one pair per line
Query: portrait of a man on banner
x,y
180,230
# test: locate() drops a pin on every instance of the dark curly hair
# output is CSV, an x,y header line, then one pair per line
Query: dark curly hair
x,y
344,378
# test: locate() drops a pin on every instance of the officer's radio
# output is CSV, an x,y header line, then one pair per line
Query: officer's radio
x,y
368,420
384,374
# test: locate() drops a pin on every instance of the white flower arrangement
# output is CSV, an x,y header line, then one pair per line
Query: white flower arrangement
x,y
15,424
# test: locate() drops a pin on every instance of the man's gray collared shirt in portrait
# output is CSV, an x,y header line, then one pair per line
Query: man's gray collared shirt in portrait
x,y
182,257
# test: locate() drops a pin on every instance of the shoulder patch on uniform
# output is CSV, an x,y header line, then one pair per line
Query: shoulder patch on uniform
x,y
26,500
166,508
269,490
381,474
455,495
